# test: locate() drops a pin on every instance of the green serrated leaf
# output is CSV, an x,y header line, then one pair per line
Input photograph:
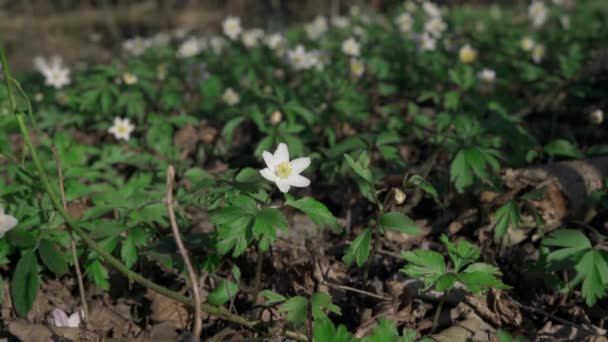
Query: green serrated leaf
x,y
223,292
399,222
25,283
317,211
51,257
359,248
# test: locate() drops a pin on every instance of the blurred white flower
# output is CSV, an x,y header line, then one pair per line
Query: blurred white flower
x,y
339,22
431,9
351,47
495,12
180,33
55,73
410,6
527,43
7,222
435,26
232,27
538,53
537,11
299,58
565,21
426,42
487,75
405,22
558,2
136,45
596,117
160,39
357,67
230,97
316,28
60,319
276,42
467,54
359,31
122,129
285,173
217,44
276,117
190,47
251,38
129,78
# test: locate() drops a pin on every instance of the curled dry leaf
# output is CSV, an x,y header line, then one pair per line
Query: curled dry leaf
x,y
504,307
461,332
165,309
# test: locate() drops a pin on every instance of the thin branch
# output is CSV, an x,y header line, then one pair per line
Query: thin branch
x,y
198,321
588,327
83,296
352,289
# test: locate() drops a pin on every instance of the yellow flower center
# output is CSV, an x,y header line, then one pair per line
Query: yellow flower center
x,y
283,170
121,129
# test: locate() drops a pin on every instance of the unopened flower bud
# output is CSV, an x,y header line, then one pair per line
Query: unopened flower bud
x,y
399,196
267,90
596,117
276,117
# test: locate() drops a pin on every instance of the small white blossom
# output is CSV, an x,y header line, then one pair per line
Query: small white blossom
x,y
435,26
231,97
527,44
357,67
538,53
122,129
190,47
55,73
487,75
7,222
410,6
467,54
276,42
232,27
160,39
316,28
426,42
537,11
596,117
351,47
405,22
340,22
217,44
136,45
60,319
251,38
285,173
129,78
431,9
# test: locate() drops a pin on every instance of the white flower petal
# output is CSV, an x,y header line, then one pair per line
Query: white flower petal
x,y
268,174
281,155
283,185
9,222
74,320
298,181
299,164
60,318
269,159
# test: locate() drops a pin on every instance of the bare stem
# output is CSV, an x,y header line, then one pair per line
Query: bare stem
x,y
198,322
258,274
83,297
437,313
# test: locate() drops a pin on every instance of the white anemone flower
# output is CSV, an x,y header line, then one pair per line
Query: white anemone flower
x,y
218,44
537,11
190,47
61,320
7,222
122,129
56,76
340,22
316,28
232,27
351,47
136,45
487,75
405,22
467,54
538,53
431,9
427,42
357,67
527,43
251,38
283,172
231,97
435,26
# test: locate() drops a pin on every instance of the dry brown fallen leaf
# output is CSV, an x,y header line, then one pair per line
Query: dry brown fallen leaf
x,y
165,309
460,332
26,331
